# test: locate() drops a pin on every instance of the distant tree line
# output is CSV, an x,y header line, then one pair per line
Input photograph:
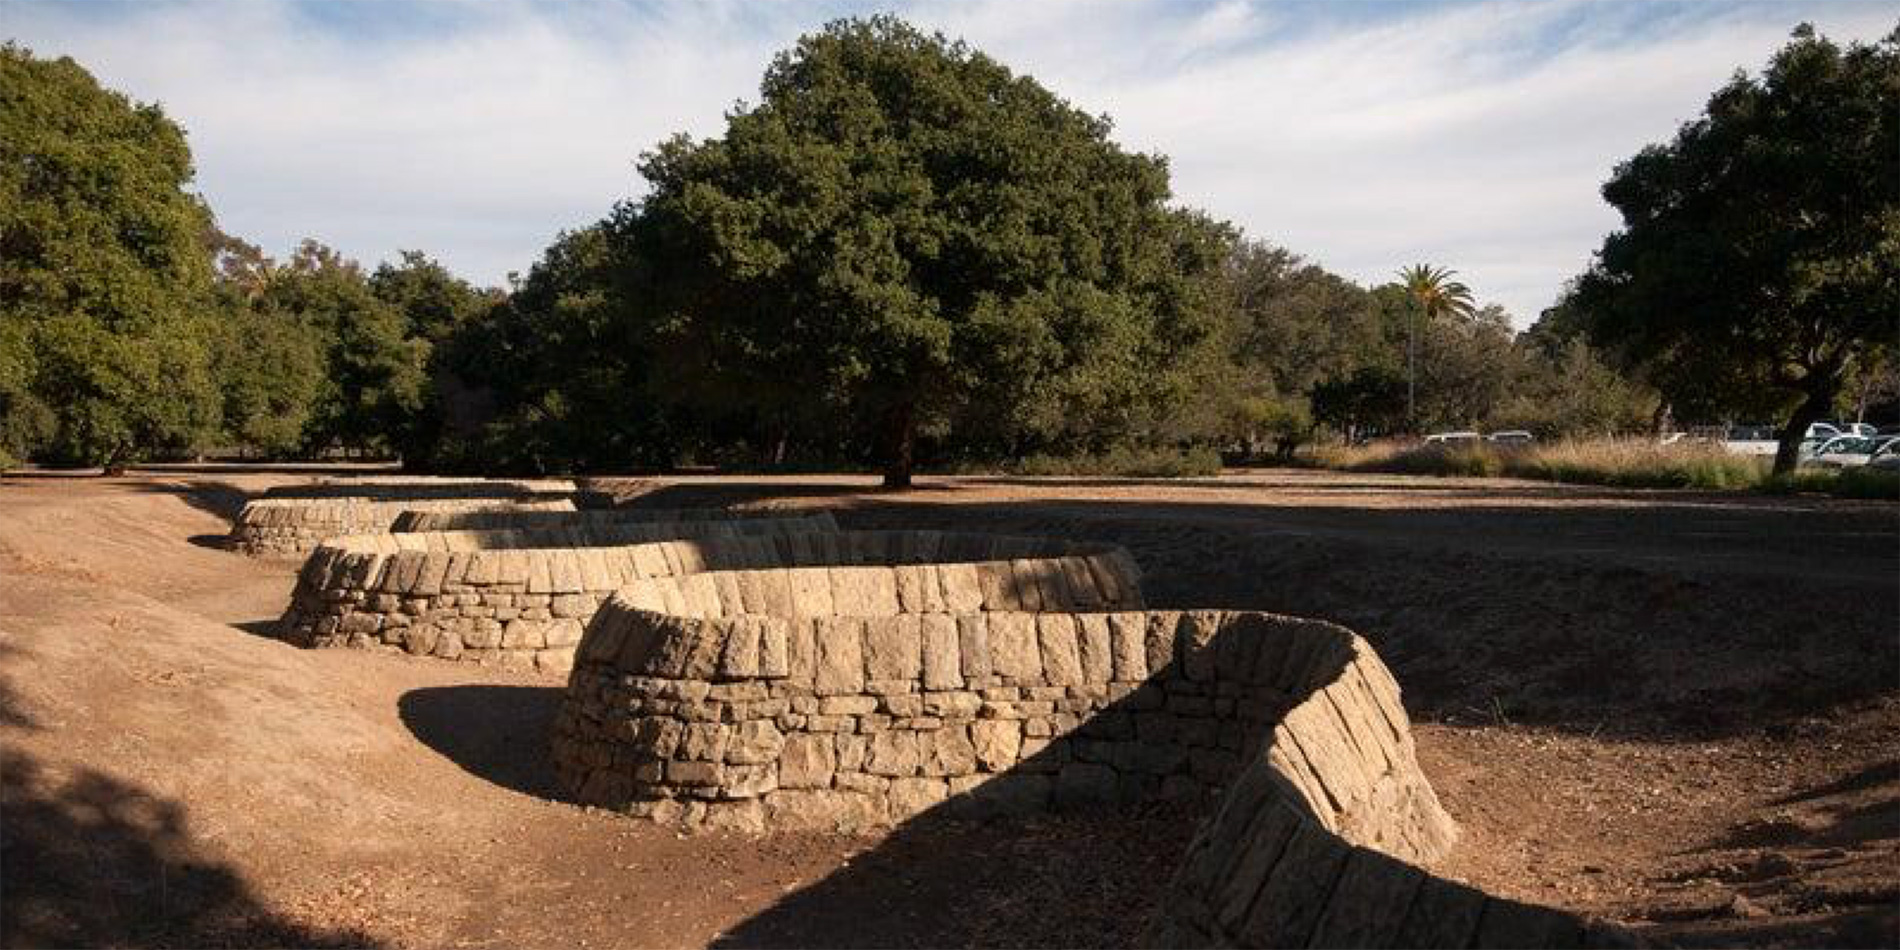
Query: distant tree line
x,y
903,255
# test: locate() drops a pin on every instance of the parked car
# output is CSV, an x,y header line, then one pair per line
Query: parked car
x,y
1859,428
1887,456
1822,430
1845,451
1511,437
1451,438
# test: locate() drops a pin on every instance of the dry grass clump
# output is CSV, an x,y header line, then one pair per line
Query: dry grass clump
x,y
1623,463
1118,462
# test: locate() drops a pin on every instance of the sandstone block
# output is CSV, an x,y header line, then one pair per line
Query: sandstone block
x,y
754,743
1014,653
892,648
996,743
807,761
894,754
942,659
1061,660
840,657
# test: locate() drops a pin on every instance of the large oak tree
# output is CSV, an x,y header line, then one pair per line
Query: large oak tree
x,y
907,233
1761,247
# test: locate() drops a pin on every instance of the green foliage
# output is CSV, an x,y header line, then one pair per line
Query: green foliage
x,y
1567,391
1372,399
373,373
105,338
911,235
1788,188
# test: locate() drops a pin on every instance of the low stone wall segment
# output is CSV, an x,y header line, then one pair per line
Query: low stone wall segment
x,y
523,597
516,520
848,699
293,527
893,709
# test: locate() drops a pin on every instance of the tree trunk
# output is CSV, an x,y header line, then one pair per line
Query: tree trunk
x,y
1812,410
900,447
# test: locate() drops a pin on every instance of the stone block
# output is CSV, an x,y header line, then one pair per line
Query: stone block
x,y
807,761
942,658
996,743
1061,660
840,657
973,643
892,648
1014,653
947,751
863,591
894,754
754,743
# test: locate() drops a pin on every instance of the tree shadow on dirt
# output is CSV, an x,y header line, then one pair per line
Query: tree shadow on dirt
x,y
89,859
497,733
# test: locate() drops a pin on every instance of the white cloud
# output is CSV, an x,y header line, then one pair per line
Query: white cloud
x,y
1366,138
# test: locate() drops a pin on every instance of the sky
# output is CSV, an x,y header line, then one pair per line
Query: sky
x,y
1364,136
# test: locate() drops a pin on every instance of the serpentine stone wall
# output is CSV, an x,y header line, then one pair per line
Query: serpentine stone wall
x,y
524,597
285,527
769,699
1265,870
716,700
493,520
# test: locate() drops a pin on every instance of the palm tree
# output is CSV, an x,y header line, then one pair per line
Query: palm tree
x,y
1433,293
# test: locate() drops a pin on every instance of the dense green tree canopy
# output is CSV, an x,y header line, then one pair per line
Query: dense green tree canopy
x,y
373,371
1762,244
105,332
904,229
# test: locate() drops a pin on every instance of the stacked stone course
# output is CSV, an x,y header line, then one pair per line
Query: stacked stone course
x,y
292,527
524,597
725,700
516,520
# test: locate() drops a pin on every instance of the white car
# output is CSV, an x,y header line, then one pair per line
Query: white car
x,y
1845,451
1511,437
1451,438
1887,456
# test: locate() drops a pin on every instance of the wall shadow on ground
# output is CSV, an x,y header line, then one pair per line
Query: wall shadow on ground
x,y
497,733
1077,879
219,498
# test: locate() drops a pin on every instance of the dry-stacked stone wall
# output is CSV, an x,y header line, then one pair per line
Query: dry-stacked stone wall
x,y
292,527
494,520
734,699
847,698
1265,870
523,597
411,487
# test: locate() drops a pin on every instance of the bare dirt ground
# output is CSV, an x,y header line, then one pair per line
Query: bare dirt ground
x,y
1675,711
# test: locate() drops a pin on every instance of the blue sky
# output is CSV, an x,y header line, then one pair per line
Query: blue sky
x,y
1363,135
